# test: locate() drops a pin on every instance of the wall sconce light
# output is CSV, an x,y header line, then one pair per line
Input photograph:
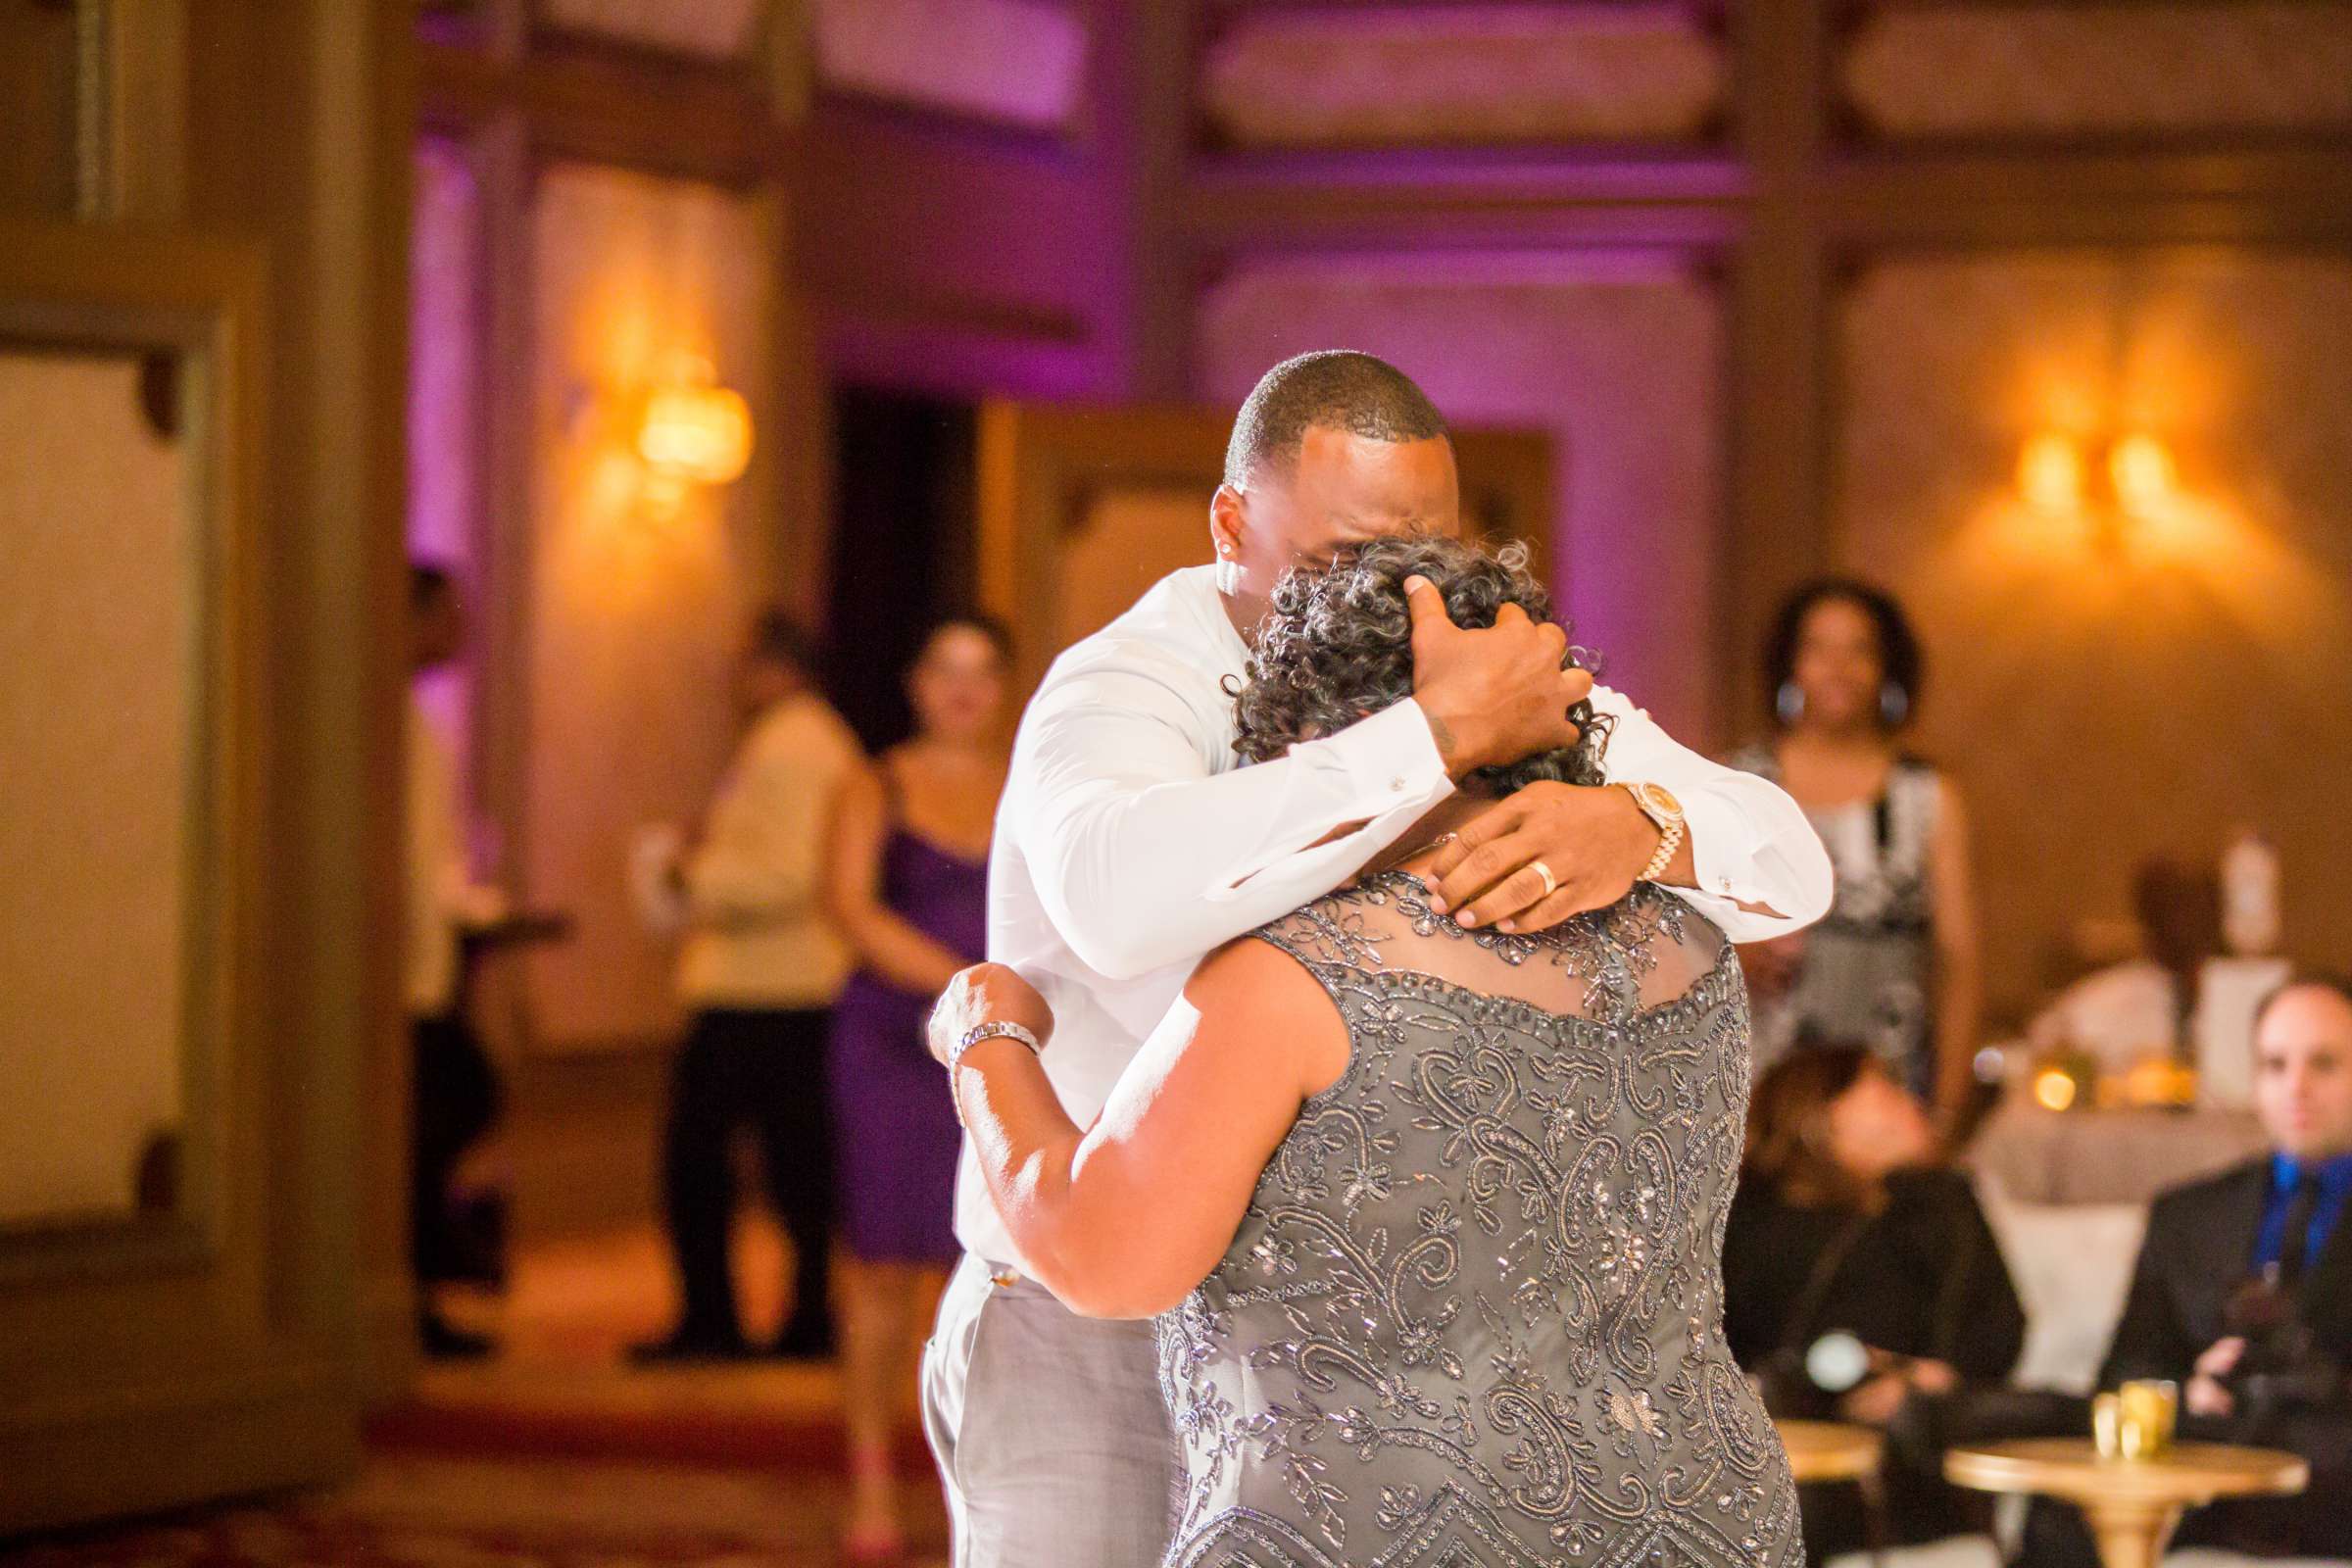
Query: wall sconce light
x,y
2133,477
693,432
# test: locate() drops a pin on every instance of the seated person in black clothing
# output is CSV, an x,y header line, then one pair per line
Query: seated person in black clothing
x,y
1845,1230
2243,1296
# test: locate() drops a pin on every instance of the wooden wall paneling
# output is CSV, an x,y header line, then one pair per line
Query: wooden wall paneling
x,y
1009,68
2031,76
1045,471
799,476
503,619
637,607
133,110
1279,198
1420,76
1143,128
243,1371
533,94
353,269
1614,354
1976,193
40,80
961,259
2102,702
690,118
1801,189
723,33
1774,421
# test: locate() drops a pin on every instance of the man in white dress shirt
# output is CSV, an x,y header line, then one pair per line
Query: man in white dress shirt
x,y
1129,846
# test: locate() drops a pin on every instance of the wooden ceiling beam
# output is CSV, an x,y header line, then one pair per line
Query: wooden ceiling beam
x,y
675,116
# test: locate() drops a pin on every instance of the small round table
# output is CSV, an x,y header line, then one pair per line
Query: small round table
x,y
1829,1450
2131,1504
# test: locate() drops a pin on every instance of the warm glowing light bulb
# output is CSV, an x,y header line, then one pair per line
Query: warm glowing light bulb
x,y
2055,1089
2142,473
702,434
2049,473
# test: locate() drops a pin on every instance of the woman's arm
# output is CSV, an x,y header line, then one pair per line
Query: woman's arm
x,y
1125,1217
1959,963
886,944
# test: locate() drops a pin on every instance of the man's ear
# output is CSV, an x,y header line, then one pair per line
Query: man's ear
x,y
1226,520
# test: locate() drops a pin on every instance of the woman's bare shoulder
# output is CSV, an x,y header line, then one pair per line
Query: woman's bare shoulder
x,y
1252,991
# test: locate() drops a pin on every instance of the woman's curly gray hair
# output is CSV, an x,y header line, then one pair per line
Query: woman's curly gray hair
x,y
1337,646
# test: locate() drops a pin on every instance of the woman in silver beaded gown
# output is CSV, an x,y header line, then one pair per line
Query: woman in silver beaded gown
x,y
1438,1280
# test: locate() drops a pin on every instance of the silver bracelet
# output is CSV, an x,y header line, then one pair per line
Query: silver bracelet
x,y
998,1030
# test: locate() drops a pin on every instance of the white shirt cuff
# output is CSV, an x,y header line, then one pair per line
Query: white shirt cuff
x,y
1720,837
1394,754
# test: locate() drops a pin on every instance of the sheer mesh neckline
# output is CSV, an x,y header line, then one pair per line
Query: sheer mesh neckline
x,y
1655,909
1328,937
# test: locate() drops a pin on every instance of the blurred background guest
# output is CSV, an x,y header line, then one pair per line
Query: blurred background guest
x,y
761,966
454,1090
1844,1226
2243,1294
2149,1001
1895,964
908,887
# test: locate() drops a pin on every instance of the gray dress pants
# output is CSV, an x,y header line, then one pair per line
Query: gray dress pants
x,y
1049,1430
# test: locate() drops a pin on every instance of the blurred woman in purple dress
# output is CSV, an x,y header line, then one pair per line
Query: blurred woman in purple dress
x,y
908,886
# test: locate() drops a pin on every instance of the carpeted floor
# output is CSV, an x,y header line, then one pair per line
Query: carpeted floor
x,y
410,1511
557,1453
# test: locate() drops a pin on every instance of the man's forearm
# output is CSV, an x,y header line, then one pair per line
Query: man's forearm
x,y
1139,872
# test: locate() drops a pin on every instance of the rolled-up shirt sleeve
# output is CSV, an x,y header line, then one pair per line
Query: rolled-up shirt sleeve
x,y
1749,842
1143,855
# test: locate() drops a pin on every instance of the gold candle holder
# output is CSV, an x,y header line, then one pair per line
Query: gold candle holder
x,y
2147,1411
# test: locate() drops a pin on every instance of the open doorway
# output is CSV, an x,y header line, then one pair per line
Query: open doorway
x,y
904,508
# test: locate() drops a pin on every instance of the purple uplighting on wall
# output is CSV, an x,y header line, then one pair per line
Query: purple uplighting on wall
x,y
445,393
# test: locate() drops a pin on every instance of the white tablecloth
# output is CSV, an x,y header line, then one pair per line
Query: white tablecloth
x,y
2107,1156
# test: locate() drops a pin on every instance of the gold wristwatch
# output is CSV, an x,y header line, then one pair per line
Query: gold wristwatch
x,y
1665,812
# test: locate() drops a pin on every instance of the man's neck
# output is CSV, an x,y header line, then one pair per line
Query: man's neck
x,y
1243,618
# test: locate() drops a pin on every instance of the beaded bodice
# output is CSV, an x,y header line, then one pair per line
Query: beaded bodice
x,y
1473,1315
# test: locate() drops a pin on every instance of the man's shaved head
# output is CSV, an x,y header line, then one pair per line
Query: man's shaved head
x,y
1334,389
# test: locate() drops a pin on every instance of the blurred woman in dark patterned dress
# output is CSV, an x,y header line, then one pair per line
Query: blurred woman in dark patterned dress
x,y
1895,964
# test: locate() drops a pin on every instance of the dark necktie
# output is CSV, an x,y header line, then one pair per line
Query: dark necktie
x,y
2300,1208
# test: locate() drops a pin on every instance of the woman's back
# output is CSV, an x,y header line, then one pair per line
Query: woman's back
x,y
1474,1312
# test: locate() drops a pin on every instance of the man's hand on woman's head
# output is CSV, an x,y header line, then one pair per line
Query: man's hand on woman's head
x,y
1592,841
986,993
1492,695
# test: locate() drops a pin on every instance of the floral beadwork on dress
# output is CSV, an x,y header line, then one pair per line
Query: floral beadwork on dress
x,y
1473,1315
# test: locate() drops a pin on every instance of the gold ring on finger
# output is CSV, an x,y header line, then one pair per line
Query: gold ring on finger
x,y
1550,886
